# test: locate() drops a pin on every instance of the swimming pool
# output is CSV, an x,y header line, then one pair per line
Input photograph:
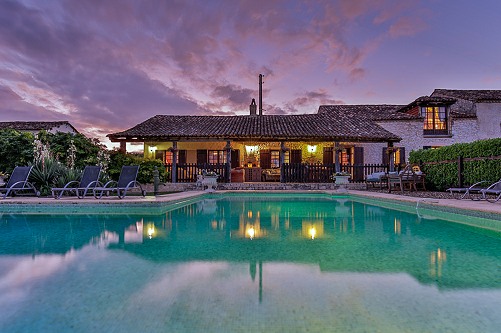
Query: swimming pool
x,y
244,263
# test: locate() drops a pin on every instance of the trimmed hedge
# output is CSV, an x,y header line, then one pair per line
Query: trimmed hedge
x,y
441,164
146,167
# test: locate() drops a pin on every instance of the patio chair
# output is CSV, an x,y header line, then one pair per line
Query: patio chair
x,y
468,191
89,180
493,189
405,178
126,182
18,182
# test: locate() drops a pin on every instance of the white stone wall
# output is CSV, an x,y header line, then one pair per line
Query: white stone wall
x,y
489,120
411,132
373,152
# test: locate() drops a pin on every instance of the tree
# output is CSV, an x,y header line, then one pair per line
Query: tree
x,y
16,148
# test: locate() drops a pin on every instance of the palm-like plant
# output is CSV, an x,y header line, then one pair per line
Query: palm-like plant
x,y
45,173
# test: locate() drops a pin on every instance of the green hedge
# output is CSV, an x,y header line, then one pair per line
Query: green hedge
x,y
146,167
443,175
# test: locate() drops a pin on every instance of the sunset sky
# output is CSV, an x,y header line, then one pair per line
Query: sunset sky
x,y
107,65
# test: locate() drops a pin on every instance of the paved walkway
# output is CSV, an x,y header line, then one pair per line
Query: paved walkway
x,y
483,206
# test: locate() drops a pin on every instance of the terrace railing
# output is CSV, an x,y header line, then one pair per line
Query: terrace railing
x,y
187,172
292,173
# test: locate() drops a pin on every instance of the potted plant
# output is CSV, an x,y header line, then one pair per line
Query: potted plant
x,y
341,178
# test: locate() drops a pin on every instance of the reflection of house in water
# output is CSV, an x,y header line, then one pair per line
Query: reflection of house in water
x,y
338,236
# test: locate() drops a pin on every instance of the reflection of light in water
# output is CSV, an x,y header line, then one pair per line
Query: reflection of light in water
x,y
151,231
312,232
437,259
251,232
397,226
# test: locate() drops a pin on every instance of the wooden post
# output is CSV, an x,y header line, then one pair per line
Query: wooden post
x,y
391,159
123,147
336,157
174,161
283,149
227,177
460,171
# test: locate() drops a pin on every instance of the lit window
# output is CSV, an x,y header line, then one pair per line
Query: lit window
x,y
216,156
168,157
435,120
275,159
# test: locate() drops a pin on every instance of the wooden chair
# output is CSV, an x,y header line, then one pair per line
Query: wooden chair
x,y
405,178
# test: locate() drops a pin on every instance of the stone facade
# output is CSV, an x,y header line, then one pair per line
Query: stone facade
x,y
489,120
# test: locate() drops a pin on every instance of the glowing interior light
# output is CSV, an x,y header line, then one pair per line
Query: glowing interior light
x,y
251,232
312,148
151,231
312,232
251,149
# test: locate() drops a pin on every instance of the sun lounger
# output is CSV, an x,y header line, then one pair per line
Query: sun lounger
x,y
126,182
468,191
18,182
89,180
494,189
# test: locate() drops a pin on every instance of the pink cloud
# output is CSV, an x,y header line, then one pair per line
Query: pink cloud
x,y
407,26
117,63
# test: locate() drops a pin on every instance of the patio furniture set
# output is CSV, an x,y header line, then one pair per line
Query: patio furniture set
x,y
410,178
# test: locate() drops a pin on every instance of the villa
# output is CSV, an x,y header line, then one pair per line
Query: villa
x,y
357,139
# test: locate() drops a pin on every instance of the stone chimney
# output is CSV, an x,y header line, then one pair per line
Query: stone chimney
x,y
253,107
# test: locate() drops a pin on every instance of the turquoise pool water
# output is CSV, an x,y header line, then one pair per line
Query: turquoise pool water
x,y
258,264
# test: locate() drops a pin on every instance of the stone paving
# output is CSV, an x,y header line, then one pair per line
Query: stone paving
x,y
433,198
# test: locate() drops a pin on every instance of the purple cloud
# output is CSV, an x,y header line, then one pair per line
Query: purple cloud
x,y
108,65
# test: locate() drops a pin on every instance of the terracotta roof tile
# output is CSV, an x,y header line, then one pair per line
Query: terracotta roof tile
x,y
33,125
267,127
476,96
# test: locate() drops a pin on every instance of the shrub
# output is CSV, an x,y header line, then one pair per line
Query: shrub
x,y
441,165
146,167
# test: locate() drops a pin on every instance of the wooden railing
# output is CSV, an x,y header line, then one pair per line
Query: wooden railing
x,y
187,172
292,173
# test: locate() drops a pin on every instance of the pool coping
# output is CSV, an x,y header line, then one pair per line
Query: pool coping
x,y
166,202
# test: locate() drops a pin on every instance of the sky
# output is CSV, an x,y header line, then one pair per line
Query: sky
x,y
106,66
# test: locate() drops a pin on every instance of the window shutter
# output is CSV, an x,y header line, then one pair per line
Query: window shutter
x,y
181,156
358,162
265,159
235,158
296,156
385,159
328,157
201,156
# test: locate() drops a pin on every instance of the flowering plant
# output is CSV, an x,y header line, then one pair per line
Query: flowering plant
x,y
210,173
342,173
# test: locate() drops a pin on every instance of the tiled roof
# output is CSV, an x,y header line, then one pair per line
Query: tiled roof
x,y
34,125
477,96
267,127
365,113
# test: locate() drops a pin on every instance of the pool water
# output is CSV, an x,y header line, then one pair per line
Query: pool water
x,y
249,264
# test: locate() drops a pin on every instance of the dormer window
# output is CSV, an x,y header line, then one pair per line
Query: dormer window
x,y
435,120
